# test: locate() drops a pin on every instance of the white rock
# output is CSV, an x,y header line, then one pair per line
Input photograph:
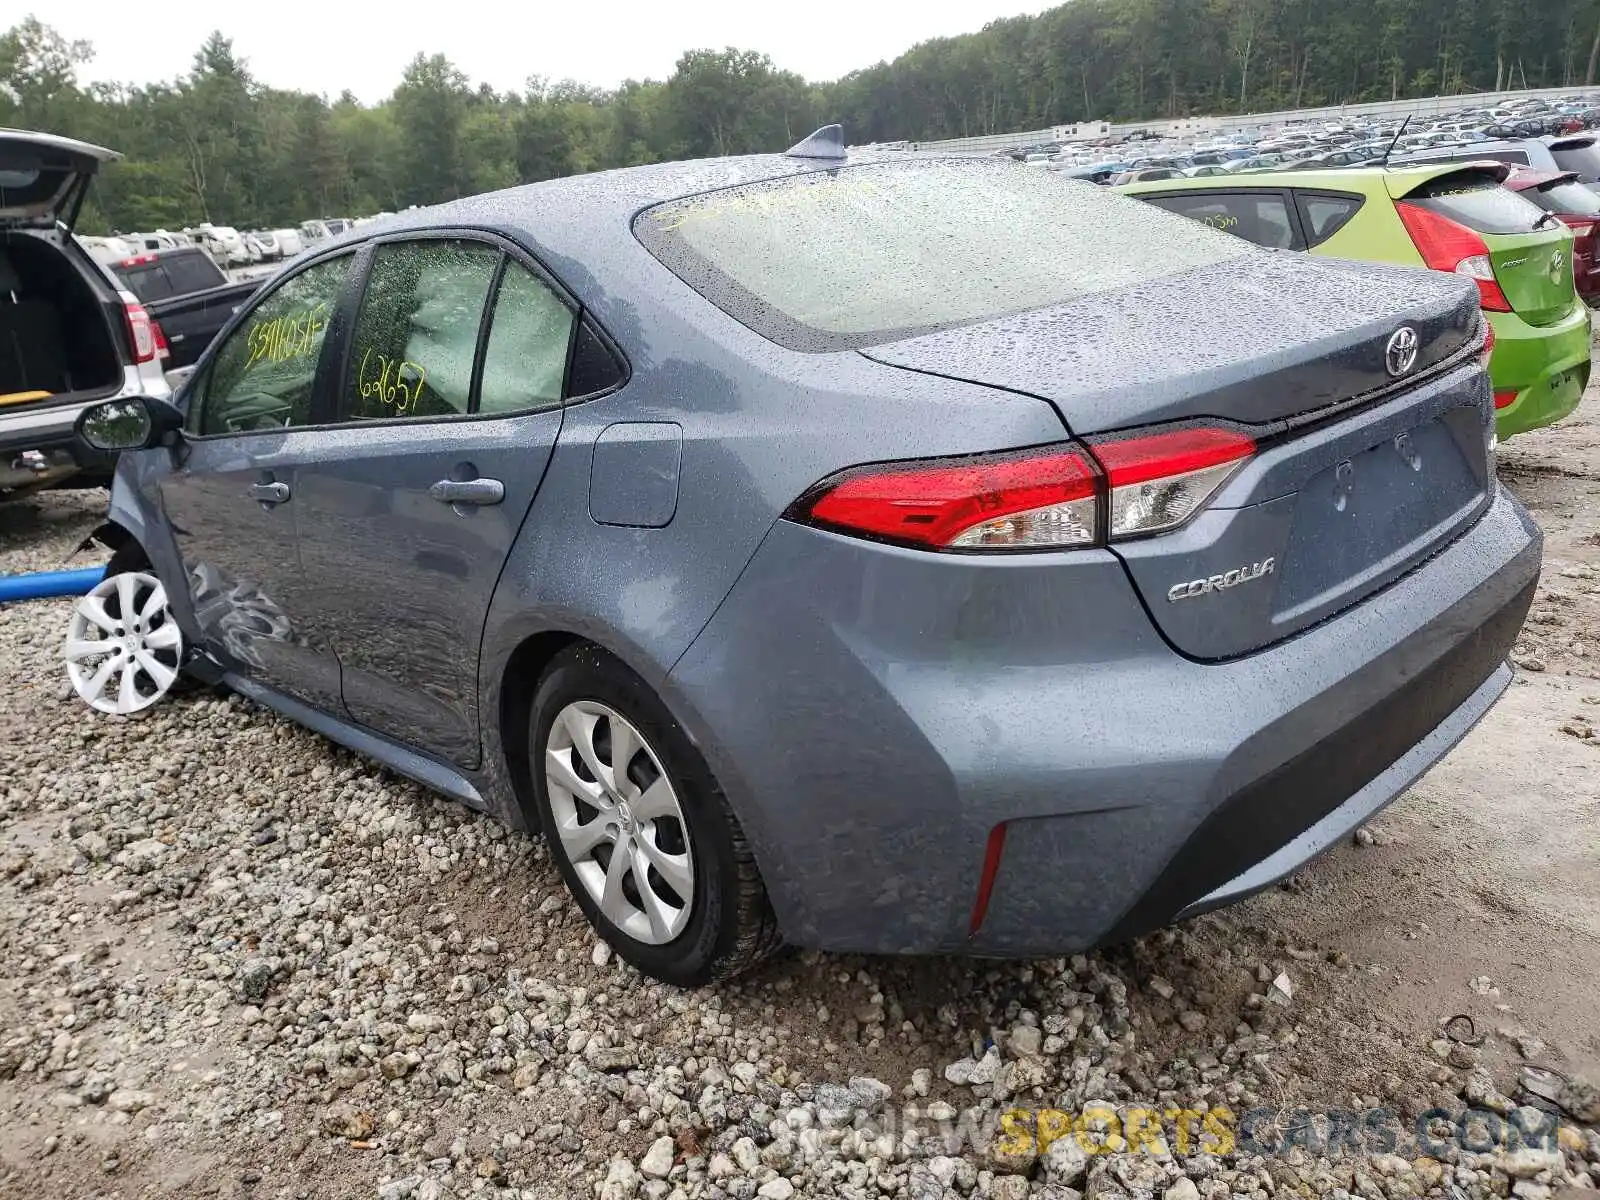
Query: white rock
x,y
130,1100
622,1181
986,1069
776,1189
1528,1161
1026,1040
1183,1189
1282,989
657,1162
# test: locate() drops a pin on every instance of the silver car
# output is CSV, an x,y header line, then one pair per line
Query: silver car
x,y
877,553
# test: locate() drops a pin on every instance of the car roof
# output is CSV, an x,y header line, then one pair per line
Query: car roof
x,y
606,196
579,225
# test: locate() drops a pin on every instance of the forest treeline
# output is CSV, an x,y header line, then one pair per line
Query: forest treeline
x,y
218,144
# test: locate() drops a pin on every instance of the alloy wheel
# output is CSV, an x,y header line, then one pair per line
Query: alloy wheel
x,y
123,645
619,820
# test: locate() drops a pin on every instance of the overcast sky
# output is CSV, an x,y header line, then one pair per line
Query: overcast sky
x,y
326,47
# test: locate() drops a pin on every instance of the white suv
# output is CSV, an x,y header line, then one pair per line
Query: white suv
x,y
69,336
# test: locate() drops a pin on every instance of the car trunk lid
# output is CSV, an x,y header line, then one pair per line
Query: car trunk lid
x,y
1461,217
1365,461
1535,272
1274,338
44,178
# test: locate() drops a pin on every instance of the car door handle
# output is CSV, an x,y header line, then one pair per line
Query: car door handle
x,y
468,491
269,493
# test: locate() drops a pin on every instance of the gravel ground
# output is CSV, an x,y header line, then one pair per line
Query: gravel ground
x,y
240,961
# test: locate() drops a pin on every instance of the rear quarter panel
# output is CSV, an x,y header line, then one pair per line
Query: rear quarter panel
x,y
759,425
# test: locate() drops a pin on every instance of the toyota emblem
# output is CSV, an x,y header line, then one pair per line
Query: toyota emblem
x,y
1401,354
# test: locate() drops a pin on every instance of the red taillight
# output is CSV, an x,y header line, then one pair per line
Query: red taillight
x,y
139,332
139,260
159,337
1486,351
1044,499
1505,399
1449,246
1158,481
1036,499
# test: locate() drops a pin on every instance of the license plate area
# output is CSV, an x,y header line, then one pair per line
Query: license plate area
x,y
1370,516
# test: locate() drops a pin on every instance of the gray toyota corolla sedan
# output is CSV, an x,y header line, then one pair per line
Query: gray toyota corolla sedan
x,y
887,554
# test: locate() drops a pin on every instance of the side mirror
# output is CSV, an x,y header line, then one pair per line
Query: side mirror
x,y
133,423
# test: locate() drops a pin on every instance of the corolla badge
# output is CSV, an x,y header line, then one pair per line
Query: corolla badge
x,y
1401,353
1221,583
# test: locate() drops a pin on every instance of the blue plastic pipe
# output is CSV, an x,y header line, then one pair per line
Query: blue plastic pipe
x,y
49,583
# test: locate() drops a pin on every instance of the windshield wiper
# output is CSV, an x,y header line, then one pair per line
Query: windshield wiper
x,y
1544,220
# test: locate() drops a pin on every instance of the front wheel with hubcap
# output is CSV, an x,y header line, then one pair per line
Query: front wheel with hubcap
x,y
123,646
639,829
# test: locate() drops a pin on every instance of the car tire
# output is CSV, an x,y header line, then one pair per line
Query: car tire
x,y
727,925
131,557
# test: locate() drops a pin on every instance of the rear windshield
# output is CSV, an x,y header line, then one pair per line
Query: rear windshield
x,y
1585,160
193,273
1479,203
149,282
851,257
1571,198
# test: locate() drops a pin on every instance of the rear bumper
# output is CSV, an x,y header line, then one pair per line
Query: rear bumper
x,y
1547,366
910,706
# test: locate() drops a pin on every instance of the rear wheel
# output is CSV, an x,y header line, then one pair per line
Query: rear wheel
x,y
639,829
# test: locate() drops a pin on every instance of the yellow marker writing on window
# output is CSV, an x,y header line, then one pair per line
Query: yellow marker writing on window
x,y
286,338
393,383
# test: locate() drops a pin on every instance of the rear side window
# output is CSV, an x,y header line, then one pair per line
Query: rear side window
x,y
1571,198
416,337
1259,217
855,256
1322,214
1479,203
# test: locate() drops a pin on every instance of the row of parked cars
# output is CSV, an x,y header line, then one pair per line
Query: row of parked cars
x,y
227,246
1304,145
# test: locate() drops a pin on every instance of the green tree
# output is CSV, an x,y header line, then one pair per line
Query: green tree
x,y
430,109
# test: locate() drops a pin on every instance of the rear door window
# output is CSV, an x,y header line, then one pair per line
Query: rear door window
x,y
848,257
1323,214
416,337
530,335
1479,203
1259,217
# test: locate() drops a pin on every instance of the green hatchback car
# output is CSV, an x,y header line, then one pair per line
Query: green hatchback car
x,y
1446,217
